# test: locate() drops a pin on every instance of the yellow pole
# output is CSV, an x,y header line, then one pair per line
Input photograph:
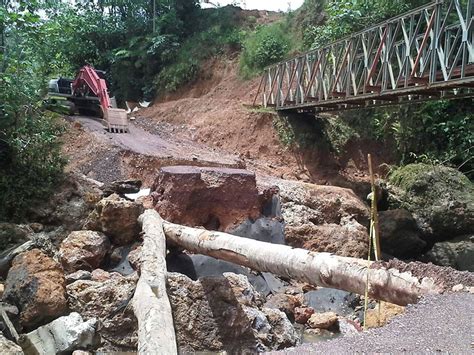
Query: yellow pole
x,y
374,221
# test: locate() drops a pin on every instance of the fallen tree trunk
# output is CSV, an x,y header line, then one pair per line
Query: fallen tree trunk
x,y
151,305
321,269
8,255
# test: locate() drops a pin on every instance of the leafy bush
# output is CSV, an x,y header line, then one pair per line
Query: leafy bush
x,y
174,76
30,157
347,16
266,45
299,132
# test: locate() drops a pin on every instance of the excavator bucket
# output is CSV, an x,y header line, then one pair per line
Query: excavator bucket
x,y
116,120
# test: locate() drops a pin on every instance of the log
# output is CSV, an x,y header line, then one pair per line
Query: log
x,y
320,269
150,302
8,255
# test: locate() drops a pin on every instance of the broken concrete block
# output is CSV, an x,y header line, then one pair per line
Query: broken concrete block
x,y
63,334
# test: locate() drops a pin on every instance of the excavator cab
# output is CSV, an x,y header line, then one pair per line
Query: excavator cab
x,y
88,94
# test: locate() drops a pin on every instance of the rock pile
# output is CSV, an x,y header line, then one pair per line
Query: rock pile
x,y
70,288
48,281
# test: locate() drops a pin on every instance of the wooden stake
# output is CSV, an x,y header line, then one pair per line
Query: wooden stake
x,y
374,220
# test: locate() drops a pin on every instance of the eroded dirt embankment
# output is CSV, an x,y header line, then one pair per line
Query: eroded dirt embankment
x,y
211,122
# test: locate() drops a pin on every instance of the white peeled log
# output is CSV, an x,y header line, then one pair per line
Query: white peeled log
x,y
320,269
156,334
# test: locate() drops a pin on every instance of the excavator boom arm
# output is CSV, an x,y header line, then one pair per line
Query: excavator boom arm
x,y
98,86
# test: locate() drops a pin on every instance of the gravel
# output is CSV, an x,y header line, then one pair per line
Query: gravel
x,y
438,323
444,277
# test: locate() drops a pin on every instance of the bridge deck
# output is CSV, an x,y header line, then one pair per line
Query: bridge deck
x,y
424,54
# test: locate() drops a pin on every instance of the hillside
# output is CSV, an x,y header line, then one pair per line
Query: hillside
x,y
198,222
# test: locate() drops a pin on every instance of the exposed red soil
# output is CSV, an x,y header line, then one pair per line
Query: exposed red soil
x,y
216,111
205,123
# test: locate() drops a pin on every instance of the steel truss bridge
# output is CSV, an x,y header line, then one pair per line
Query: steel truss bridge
x,y
424,54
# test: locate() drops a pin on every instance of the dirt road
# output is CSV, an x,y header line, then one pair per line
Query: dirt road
x,y
438,324
142,142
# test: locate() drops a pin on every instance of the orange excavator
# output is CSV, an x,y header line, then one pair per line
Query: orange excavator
x,y
88,95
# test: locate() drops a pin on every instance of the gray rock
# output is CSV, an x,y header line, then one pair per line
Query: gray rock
x,y
274,283
399,234
123,267
331,300
122,187
457,253
440,198
225,313
8,347
283,334
62,335
263,229
109,302
348,327
197,266
70,205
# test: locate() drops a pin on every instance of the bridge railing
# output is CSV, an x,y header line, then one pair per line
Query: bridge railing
x,y
425,52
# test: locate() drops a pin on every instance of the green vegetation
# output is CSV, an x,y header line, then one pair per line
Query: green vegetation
x,y
148,51
297,132
266,45
30,160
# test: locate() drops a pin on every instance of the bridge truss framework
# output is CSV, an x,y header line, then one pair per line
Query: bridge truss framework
x,y
424,54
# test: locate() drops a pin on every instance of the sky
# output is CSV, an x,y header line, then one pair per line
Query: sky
x,y
274,5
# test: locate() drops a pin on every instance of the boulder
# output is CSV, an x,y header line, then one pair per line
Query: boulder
x,y
69,206
117,218
323,320
108,301
9,347
440,198
304,203
83,250
64,334
457,253
399,234
36,285
216,198
347,239
282,334
225,314
322,218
